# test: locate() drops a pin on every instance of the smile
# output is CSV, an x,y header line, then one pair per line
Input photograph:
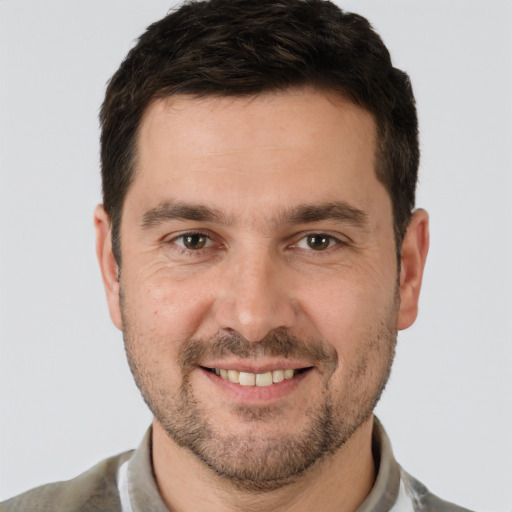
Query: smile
x,y
256,379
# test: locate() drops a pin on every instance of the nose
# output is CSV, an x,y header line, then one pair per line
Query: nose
x,y
254,297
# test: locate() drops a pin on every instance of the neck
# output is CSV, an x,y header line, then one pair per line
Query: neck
x,y
339,482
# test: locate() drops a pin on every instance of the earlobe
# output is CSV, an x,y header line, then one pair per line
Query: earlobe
x,y
108,265
414,255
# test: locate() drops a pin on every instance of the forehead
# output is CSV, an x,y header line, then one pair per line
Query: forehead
x,y
287,146
307,118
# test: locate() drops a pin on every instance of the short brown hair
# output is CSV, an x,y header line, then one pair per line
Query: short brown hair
x,y
246,47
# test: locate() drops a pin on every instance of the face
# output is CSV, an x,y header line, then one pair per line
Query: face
x,y
259,294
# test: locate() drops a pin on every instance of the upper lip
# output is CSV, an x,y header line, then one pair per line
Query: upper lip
x,y
257,367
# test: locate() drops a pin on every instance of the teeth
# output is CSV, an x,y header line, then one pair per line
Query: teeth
x,y
255,379
247,379
234,376
264,379
288,374
278,376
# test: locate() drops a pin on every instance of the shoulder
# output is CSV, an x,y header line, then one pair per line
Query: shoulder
x,y
423,499
94,490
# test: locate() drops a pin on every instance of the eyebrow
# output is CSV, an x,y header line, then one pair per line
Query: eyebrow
x,y
339,211
170,210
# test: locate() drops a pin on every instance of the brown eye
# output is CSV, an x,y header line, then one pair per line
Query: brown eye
x,y
194,241
318,241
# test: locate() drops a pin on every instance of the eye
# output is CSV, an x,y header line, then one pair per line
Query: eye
x,y
193,241
317,242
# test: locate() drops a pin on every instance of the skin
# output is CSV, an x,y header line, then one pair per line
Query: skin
x,y
255,163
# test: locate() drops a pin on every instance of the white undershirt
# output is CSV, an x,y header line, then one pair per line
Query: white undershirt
x,y
403,501
122,486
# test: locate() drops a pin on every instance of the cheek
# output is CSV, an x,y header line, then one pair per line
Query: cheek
x,y
349,312
160,306
343,305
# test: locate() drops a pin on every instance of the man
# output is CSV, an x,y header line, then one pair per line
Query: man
x,y
259,251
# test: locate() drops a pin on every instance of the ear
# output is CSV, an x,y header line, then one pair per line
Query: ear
x,y
108,264
414,255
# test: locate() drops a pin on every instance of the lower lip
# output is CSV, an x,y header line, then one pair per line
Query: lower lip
x,y
252,394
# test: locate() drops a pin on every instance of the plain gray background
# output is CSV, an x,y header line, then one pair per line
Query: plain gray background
x,y
67,398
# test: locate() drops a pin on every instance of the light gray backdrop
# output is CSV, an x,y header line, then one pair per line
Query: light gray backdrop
x,y
67,398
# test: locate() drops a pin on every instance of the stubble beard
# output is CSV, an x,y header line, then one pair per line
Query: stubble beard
x,y
253,462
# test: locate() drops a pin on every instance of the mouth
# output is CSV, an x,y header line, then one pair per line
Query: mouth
x,y
264,379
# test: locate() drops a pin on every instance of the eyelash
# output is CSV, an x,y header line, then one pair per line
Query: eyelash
x,y
187,251
333,243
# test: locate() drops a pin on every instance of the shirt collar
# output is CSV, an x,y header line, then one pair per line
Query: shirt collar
x,y
384,492
142,488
